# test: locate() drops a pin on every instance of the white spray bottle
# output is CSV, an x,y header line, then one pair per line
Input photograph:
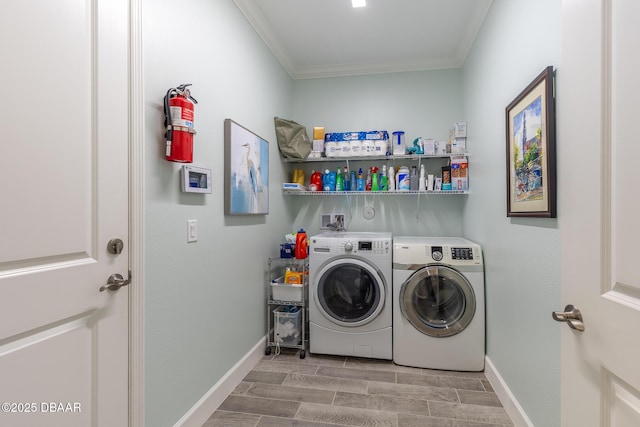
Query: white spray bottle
x,y
392,179
421,183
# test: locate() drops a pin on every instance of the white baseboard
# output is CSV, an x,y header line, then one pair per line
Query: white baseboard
x,y
511,405
202,410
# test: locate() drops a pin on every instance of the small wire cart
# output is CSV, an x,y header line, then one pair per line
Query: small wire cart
x,y
286,282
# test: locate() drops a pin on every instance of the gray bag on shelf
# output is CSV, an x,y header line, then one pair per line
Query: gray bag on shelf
x,y
293,141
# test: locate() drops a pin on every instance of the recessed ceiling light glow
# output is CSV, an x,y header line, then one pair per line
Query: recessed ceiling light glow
x,y
358,3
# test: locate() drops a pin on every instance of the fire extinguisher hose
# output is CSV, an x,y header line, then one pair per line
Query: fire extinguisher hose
x,y
167,115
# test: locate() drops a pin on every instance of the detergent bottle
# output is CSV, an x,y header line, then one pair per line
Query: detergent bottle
x,y
301,251
339,182
360,180
329,181
403,179
315,183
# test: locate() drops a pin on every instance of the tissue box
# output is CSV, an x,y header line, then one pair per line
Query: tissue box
x,y
293,186
458,145
318,141
460,130
429,146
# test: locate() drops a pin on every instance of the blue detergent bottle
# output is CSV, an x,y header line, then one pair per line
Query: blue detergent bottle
x,y
360,180
329,181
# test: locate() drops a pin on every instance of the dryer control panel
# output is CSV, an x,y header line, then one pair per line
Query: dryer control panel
x,y
461,253
453,251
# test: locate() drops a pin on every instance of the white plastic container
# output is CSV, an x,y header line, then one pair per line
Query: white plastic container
x,y
403,179
398,143
286,292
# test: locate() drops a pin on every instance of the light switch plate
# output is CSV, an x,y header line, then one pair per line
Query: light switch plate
x,y
192,230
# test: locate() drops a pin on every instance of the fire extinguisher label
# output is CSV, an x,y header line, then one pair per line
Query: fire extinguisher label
x,y
181,117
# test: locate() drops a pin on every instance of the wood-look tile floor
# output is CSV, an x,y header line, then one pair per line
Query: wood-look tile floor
x,y
284,390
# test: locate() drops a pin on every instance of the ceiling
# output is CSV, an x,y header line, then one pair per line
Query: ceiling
x,y
325,38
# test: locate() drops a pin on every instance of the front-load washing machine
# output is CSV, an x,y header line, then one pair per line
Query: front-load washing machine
x,y
439,311
350,301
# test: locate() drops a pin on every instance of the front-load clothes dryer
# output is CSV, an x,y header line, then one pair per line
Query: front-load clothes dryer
x,y
439,311
350,295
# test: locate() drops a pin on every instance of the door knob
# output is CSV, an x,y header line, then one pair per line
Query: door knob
x,y
571,315
115,282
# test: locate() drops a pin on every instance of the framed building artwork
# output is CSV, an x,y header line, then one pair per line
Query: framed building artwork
x,y
531,157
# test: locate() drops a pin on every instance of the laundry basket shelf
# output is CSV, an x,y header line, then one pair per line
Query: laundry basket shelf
x,y
286,304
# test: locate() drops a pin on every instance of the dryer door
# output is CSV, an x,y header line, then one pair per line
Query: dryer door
x,y
349,291
438,301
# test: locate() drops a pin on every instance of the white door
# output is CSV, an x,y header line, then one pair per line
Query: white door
x,y
599,107
64,195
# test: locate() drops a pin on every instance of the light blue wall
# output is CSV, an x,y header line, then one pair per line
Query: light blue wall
x,y
517,41
204,301
423,103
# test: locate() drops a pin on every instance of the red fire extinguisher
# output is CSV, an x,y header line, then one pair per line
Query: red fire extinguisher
x,y
178,121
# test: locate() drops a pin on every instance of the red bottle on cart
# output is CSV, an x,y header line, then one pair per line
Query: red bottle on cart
x,y
301,245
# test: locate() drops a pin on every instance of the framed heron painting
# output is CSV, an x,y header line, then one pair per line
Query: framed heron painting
x,y
246,171
531,146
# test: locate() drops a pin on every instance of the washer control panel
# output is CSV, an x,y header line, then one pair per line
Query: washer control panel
x,y
377,247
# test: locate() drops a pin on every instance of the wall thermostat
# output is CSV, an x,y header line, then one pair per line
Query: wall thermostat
x,y
195,180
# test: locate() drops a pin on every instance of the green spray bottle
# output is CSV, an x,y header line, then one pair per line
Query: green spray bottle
x,y
375,186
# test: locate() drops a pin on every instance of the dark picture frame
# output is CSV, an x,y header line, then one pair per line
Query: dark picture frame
x,y
531,150
246,171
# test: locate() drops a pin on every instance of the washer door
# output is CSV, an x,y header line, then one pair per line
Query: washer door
x,y
349,291
438,301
